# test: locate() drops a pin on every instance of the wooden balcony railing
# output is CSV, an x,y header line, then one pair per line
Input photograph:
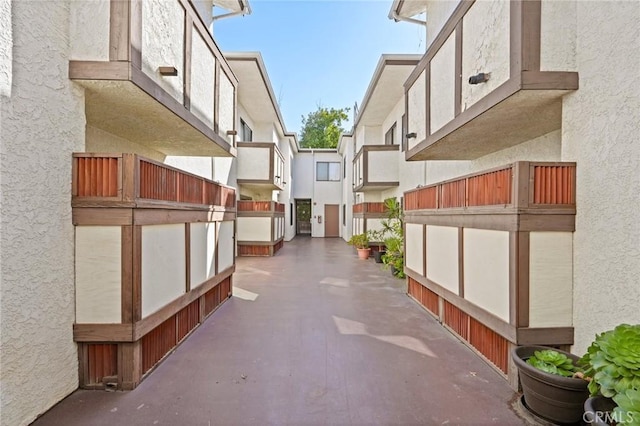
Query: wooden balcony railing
x,y
370,207
521,185
128,180
260,206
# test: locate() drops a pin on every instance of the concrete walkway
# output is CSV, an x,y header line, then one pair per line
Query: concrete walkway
x,y
311,336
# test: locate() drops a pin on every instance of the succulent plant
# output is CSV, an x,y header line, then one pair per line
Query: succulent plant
x,y
552,362
613,363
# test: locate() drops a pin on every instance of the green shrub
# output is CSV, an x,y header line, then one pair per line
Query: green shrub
x,y
553,362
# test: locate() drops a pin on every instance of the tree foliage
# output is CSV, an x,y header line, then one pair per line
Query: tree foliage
x,y
322,128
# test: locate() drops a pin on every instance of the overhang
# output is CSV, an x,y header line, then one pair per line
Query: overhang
x,y
233,5
407,8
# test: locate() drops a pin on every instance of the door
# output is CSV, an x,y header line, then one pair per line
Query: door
x,y
331,220
303,217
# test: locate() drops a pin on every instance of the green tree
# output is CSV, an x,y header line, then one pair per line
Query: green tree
x,y
322,128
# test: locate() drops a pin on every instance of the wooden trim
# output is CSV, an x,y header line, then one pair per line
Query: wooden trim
x,y
217,247
424,249
522,179
457,106
499,221
102,332
86,216
501,327
272,173
129,365
260,243
549,80
188,52
216,97
427,109
126,247
135,32
98,70
119,30
168,216
147,324
187,256
130,179
515,39
83,364
519,279
461,262
545,336
531,23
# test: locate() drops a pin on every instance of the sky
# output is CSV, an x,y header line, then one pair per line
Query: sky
x,y
318,52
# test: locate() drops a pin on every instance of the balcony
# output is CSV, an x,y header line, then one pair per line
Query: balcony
x,y
527,51
260,165
368,217
154,75
375,168
260,228
154,257
491,256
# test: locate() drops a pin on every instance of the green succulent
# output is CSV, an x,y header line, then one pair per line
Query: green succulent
x,y
613,363
552,362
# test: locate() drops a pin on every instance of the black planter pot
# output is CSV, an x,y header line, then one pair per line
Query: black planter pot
x,y
597,410
555,398
377,255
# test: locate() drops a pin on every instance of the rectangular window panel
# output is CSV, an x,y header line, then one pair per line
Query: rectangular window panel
x,y
327,171
389,136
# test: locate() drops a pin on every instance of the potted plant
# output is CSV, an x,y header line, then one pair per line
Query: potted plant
x,y
376,239
361,243
393,234
613,362
552,384
394,256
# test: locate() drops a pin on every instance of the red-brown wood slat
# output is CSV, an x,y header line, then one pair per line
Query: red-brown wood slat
x,y
554,184
103,362
490,344
453,194
96,176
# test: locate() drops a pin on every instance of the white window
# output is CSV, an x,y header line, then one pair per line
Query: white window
x,y
326,171
246,134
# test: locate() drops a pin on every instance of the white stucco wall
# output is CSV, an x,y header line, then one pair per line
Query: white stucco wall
x,y
163,265
89,30
163,43
42,123
558,41
443,76
600,131
438,13
203,251
253,163
226,104
226,246
414,251
486,270
254,228
442,256
202,78
485,48
416,115
324,192
303,175
383,166
98,274
201,166
98,140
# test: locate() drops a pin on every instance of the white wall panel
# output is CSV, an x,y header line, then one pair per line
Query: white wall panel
x,y
163,265
417,103
414,254
98,274
226,249
203,250
202,79
486,270
443,82
253,163
383,166
254,228
89,30
442,256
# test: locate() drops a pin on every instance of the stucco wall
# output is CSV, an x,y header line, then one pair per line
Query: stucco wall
x,y
383,166
303,175
42,123
89,30
201,166
163,43
226,103
414,252
442,256
226,245
558,41
203,251
202,79
254,228
600,131
437,14
442,98
417,105
253,163
97,140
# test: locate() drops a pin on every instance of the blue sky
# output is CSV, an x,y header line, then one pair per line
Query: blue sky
x,y
318,52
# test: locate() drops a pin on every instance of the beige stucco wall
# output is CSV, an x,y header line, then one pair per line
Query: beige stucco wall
x,y
442,98
383,166
98,274
226,249
201,166
202,79
438,13
98,140
442,256
253,163
42,123
486,270
414,247
550,279
226,104
163,43
163,265
254,228
485,48
89,30
417,105
600,131
558,41
203,250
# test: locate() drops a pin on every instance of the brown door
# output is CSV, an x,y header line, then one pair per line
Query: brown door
x,y
331,220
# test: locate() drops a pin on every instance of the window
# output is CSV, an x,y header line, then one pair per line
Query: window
x,y
389,136
246,134
344,167
326,171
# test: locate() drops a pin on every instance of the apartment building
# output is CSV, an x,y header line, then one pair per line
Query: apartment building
x,y
524,117
111,255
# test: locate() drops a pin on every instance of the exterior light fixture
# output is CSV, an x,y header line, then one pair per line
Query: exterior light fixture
x,y
168,71
482,77
411,135
232,132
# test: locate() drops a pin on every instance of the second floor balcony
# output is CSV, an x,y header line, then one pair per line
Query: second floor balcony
x,y
260,164
375,168
493,77
153,74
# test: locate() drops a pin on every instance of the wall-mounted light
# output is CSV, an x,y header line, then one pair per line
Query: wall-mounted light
x,y
482,77
168,71
411,135
232,132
